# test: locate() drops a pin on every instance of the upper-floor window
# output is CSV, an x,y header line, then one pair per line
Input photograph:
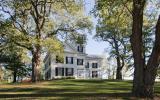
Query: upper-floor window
x,y
69,60
87,65
94,65
59,59
79,61
80,48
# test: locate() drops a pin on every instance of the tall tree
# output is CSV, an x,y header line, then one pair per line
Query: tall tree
x,y
38,22
144,70
145,74
112,28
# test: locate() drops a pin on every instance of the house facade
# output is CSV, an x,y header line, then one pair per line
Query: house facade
x,y
75,63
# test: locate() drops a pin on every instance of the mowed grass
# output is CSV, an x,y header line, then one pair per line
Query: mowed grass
x,y
70,90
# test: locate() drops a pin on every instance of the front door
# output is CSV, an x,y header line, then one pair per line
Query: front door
x,y
87,74
80,73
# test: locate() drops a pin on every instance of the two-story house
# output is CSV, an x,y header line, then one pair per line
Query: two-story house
x,y
76,63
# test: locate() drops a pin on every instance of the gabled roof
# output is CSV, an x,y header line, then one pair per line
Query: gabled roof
x,y
72,48
69,47
94,57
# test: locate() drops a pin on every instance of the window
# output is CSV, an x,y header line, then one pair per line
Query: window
x,y
69,60
94,65
59,71
79,61
69,72
87,66
59,59
80,48
94,74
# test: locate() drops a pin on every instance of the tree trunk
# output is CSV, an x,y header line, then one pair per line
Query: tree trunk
x,y
152,65
36,69
15,75
119,73
144,75
137,47
119,67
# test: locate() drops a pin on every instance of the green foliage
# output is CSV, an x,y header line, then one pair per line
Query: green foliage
x,y
23,15
114,27
59,59
36,25
12,57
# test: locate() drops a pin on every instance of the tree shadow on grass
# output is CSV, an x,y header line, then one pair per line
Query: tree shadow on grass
x,y
59,92
17,89
70,90
79,96
71,95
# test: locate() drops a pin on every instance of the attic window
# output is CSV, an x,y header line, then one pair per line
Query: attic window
x,y
80,48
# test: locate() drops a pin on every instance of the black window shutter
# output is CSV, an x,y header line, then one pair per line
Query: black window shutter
x,y
66,60
62,71
88,65
82,61
78,48
56,71
72,60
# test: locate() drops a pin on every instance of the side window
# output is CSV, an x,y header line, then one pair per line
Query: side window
x,y
94,74
94,65
87,65
79,61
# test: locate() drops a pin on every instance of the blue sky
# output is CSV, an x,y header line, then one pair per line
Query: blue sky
x,y
93,46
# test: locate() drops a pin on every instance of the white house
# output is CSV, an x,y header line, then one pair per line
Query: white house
x,y
76,63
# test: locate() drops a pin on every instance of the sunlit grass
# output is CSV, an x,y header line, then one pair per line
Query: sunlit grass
x,y
70,89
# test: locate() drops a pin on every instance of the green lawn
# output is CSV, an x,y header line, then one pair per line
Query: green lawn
x,y
70,90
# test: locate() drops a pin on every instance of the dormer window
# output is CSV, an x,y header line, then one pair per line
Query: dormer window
x,y
80,48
